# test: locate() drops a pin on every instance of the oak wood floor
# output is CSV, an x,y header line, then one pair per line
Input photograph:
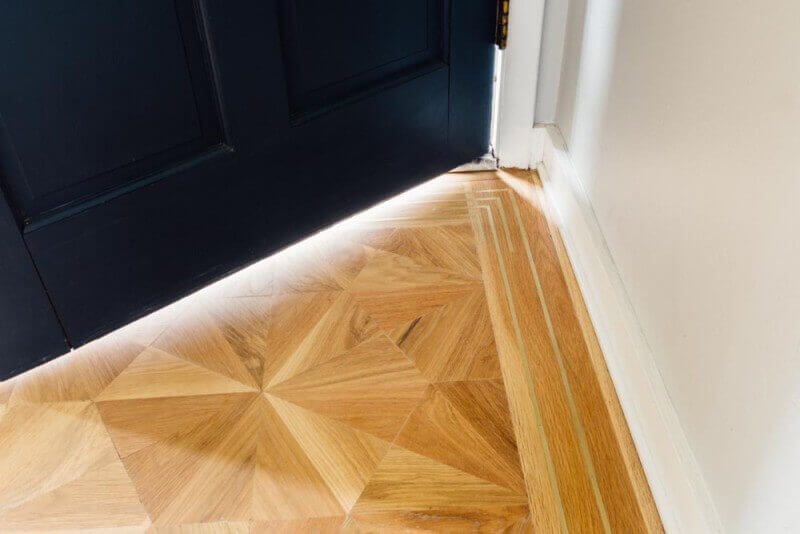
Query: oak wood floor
x,y
426,366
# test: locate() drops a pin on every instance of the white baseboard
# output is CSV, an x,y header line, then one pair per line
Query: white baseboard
x,y
678,487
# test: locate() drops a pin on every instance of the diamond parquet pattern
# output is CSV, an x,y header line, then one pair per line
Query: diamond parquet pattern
x,y
353,383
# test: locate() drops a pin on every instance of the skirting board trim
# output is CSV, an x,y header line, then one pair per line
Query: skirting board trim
x,y
675,479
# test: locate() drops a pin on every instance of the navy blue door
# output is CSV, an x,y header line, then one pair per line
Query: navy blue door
x,y
148,147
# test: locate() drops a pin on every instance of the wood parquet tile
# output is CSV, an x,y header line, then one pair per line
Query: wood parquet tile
x,y
345,457
372,387
345,325
452,342
438,430
57,463
426,367
155,373
77,379
222,527
409,482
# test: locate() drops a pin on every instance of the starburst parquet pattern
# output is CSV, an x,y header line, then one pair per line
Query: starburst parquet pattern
x,y
420,368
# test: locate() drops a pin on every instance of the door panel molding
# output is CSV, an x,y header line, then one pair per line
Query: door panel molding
x,y
103,95
280,169
29,330
388,42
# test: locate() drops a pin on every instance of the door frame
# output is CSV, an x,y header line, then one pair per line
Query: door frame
x,y
519,74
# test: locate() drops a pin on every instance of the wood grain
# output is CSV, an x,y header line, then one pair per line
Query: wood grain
x,y
406,481
372,387
614,427
428,367
453,342
438,430
155,373
344,457
59,467
571,475
570,381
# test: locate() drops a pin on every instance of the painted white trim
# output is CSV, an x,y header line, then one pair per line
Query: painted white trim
x,y
677,484
518,79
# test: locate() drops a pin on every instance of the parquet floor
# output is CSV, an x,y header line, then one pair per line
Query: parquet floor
x,y
425,366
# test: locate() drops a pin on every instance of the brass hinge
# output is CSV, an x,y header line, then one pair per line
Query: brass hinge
x,y
501,32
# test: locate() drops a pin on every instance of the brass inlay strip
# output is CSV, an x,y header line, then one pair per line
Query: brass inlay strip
x,y
576,421
503,218
524,355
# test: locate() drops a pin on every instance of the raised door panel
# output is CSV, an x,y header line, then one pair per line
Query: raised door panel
x,y
102,94
335,52
318,122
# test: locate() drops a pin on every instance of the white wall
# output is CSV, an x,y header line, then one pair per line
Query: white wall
x,y
683,121
552,48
